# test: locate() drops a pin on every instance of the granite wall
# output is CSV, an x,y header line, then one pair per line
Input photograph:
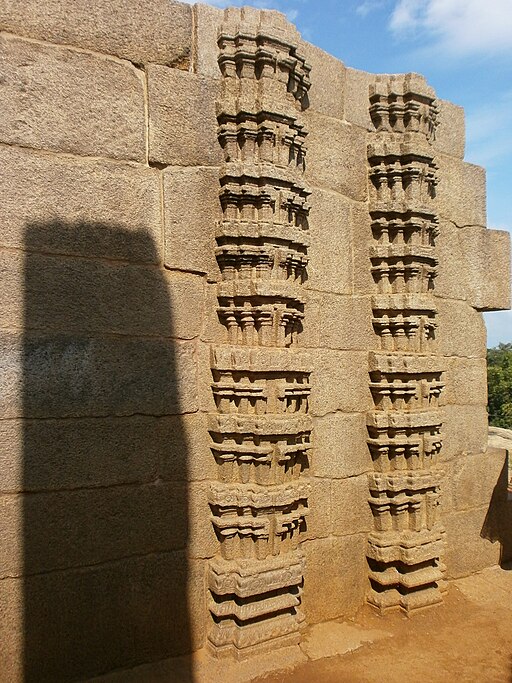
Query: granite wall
x,y
243,382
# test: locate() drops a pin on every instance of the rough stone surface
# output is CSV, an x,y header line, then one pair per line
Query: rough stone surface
x,y
338,322
137,624
335,149
450,137
63,100
466,381
182,122
468,549
340,447
327,93
476,480
57,376
464,430
356,98
79,206
331,258
109,299
461,192
207,24
488,256
191,210
349,504
38,455
160,31
461,330
335,583
340,382
242,354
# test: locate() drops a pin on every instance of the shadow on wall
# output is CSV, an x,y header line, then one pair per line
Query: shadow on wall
x,y
105,457
498,521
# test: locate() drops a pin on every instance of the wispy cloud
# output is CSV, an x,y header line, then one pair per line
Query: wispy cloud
x,y
364,8
459,26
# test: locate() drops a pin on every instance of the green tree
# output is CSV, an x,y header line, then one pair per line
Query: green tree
x,y
499,382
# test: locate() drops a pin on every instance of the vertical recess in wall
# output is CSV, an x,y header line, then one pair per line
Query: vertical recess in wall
x,y
405,547
261,430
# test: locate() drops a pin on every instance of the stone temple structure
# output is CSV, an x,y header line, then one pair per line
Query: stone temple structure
x,y
243,384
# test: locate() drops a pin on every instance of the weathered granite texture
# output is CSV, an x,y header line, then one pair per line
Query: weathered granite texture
x,y
243,354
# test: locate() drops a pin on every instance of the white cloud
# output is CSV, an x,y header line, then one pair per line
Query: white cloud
x,y
461,26
364,8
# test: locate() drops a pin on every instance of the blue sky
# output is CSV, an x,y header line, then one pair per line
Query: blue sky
x,y
462,47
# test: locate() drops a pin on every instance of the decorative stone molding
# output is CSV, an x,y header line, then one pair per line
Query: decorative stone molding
x,y
261,430
406,376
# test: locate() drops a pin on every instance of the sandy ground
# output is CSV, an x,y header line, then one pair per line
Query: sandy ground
x,y
466,640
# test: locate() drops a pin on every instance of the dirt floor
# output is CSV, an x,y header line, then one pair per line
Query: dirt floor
x,y
467,640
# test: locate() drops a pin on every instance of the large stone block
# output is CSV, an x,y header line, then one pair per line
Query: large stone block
x,y
187,454
487,253
12,631
350,508
182,118
468,550
37,455
465,381
461,330
62,100
52,454
79,206
80,623
450,135
191,211
340,448
76,376
159,31
336,153
338,322
477,480
319,519
207,22
452,279
330,253
336,577
327,92
202,541
213,330
339,382
70,295
464,430
461,194
357,98
474,264
55,530
362,239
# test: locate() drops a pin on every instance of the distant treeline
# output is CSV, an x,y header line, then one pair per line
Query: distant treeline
x,y
499,381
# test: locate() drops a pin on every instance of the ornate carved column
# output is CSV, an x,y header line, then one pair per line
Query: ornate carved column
x,y
405,547
261,430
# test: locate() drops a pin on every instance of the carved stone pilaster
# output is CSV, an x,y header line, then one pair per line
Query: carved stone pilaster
x,y
261,430
406,375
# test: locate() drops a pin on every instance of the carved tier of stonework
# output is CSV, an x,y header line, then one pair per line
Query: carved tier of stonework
x,y
260,433
406,377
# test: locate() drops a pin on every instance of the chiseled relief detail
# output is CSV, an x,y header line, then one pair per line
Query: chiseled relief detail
x,y
406,376
261,430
